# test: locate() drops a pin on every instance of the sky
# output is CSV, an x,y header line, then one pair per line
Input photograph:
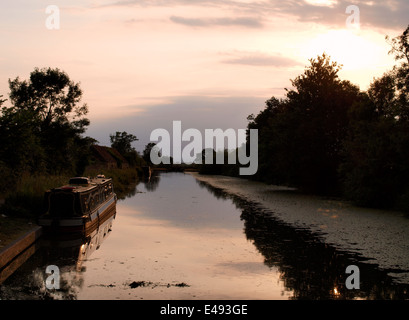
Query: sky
x,y
143,64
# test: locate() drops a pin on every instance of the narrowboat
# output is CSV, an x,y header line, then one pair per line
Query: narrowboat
x,y
80,206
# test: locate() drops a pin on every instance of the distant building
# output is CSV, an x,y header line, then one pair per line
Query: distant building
x,y
107,158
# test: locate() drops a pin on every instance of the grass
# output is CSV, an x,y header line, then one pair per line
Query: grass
x,y
26,199
21,206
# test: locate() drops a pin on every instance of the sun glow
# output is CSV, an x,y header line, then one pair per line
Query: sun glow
x,y
362,54
348,48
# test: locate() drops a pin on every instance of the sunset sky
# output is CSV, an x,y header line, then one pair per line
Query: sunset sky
x,y
143,64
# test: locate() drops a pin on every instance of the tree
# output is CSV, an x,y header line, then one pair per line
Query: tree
x,y
146,155
400,74
400,45
375,169
42,129
52,97
122,141
21,148
300,136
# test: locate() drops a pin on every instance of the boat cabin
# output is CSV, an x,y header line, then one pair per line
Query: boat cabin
x,y
80,197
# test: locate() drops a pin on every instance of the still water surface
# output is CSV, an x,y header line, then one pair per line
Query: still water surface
x,y
177,238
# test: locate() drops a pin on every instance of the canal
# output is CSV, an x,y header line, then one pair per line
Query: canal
x,y
175,237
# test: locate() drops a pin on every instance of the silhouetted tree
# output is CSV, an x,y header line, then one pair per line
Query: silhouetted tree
x,y
122,141
146,155
375,169
41,130
52,97
21,148
300,136
400,73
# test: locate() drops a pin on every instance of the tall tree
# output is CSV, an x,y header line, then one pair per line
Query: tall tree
x,y
400,45
375,169
400,74
300,136
146,155
52,97
122,141
42,128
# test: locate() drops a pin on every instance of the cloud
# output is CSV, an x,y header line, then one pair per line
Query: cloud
x,y
248,22
390,14
162,3
261,59
373,14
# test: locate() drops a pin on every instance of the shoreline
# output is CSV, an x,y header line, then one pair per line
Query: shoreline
x,y
378,235
19,250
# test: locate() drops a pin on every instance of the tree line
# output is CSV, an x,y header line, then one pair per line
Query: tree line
x,y
326,136
42,129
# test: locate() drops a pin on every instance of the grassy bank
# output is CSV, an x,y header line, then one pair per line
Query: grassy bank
x,y
21,207
26,199
22,204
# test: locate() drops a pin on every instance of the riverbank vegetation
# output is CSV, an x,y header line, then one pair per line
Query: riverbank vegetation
x,y
43,143
326,136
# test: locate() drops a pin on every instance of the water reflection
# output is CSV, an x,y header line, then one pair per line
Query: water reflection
x,y
178,201
152,183
68,253
221,248
309,267
149,183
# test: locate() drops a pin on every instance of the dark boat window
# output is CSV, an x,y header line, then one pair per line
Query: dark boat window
x,y
79,181
62,204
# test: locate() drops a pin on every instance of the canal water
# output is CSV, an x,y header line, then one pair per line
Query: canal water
x,y
177,238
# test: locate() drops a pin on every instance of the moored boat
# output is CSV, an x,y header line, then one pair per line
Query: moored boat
x,y
80,206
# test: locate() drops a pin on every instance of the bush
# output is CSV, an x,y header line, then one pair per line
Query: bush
x,y
26,199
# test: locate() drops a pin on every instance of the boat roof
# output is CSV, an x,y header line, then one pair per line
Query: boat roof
x,y
82,184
